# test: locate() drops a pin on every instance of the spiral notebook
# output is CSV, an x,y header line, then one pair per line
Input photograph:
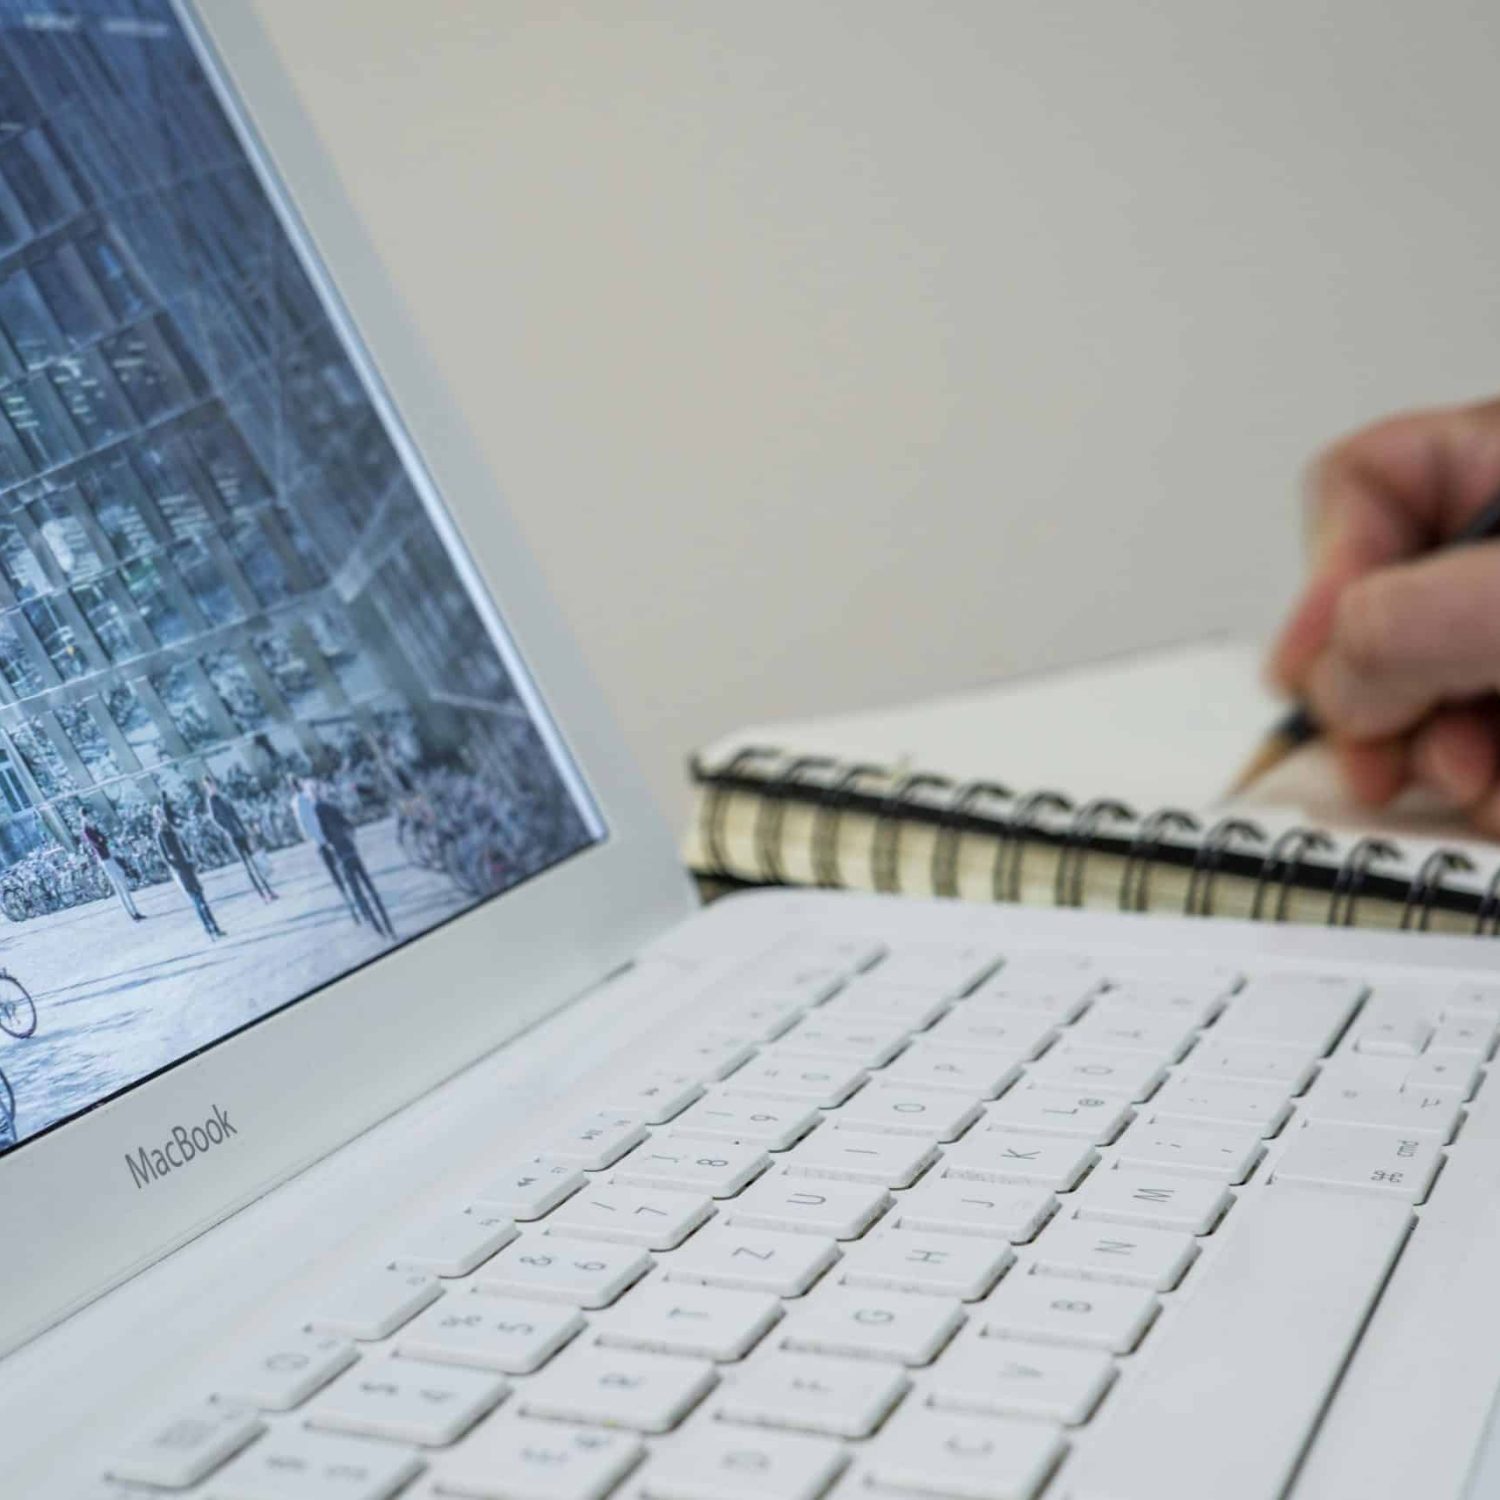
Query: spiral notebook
x,y
1100,787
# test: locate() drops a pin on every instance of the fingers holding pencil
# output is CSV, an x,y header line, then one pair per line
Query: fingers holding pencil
x,y
1396,648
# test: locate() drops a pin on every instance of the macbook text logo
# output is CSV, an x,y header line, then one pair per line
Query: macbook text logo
x,y
184,1144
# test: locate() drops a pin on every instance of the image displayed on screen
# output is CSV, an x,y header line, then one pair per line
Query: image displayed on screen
x,y
255,728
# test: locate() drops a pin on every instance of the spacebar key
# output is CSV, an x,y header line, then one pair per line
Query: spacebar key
x,y
1228,1391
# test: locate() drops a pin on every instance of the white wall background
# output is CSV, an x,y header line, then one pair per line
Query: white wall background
x,y
833,351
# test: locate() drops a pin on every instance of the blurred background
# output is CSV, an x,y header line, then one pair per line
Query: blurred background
x,y
835,353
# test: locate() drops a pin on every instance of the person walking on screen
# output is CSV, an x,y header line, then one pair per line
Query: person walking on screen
x,y
184,872
232,825
338,834
304,811
97,845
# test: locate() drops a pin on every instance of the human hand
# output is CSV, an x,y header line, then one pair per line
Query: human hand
x,y
1395,648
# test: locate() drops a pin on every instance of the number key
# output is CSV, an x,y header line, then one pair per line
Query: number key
x,y
561,1270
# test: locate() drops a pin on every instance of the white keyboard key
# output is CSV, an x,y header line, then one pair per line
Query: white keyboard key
x,y
862,1323
760,1122
1472,1002
530,1189
1221,1101
950,971
822,1082
1131,1075
1252,1062
1395,1036
960,1205
922,1451
919,1260
513,1458
1045,966
578,1272
843,1210
408,1400
998,1152
452,1243
596,1141
676,1318
812,1393
720,1462
297,1465
862,1156
282,1374
1001,1376
1226,1152
1148,1196
864,1044
373,1304
712,1056
1334,1101
185,1448
490,1332
754,1260
1257,1348
1170,972
1352,1158
1123,1027
1051,1004
1295,1010
764,1016
1077,1113
656,1098
653,1218
1451,1074
1068,1310
974,1072
1016,1032
1195,1003
870,1000
617,1388
1467,1036
1155,1258
905,1109
1058,995
813,966
688,1163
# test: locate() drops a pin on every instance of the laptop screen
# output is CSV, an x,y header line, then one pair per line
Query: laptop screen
x,y
259,722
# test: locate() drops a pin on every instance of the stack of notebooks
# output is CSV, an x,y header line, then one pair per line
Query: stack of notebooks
x,y
1100,787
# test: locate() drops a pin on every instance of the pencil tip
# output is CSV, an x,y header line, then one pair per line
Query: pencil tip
x,y
1272,752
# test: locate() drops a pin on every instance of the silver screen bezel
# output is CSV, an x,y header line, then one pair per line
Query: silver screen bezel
x,y
311,1076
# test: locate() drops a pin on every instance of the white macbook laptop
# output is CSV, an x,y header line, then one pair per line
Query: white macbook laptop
x,y
379,1118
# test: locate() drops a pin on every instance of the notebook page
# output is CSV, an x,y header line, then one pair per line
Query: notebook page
x,y
1171,725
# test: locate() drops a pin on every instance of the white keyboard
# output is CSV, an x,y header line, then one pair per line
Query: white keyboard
x,y
922,1223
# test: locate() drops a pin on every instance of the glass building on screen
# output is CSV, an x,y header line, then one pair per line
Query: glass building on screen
x,y
210,556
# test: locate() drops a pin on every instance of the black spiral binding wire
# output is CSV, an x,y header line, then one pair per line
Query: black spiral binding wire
x,y
1005,874
1282,862
715,804
826,826
770,816
1343,904
1488,915
885,842
1217,842
945,846
1145,848
1426,884
1072,860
